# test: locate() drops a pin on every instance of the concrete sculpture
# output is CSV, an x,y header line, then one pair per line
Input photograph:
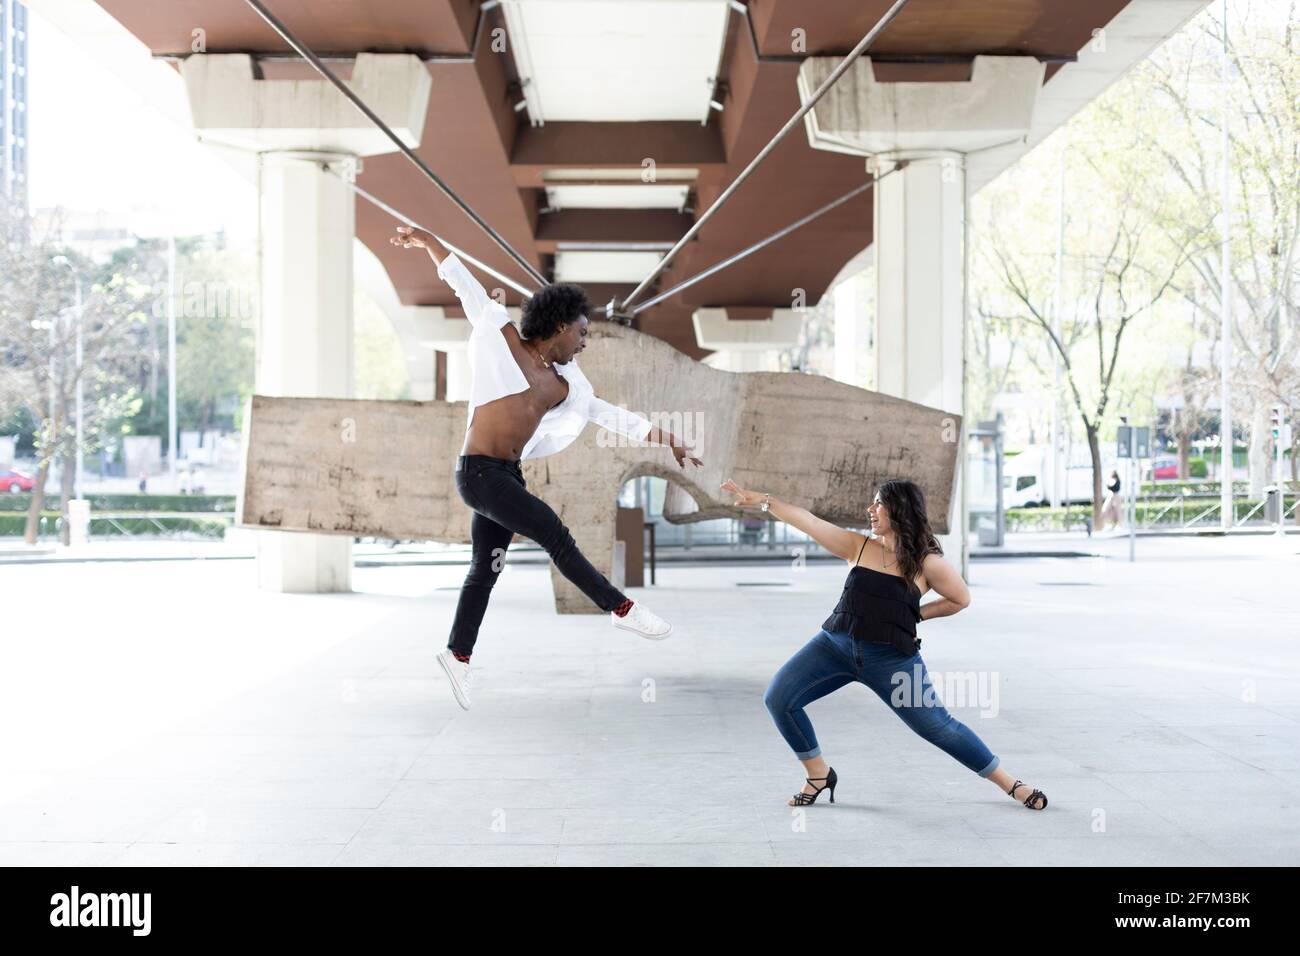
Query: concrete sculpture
x,y
385,468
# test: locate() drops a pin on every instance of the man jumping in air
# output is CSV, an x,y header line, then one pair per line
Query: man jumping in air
x,y
528,399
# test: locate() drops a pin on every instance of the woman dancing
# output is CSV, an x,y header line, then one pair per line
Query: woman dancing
x,y
870,637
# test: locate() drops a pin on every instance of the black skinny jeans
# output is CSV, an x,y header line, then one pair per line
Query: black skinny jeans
x,y
494,488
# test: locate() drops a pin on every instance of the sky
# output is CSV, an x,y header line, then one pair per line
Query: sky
x,y
94,144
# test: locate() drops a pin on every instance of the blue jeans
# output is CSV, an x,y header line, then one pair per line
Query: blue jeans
x,y
829,661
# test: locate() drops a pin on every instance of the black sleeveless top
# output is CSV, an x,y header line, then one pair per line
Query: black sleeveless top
x,y
878,607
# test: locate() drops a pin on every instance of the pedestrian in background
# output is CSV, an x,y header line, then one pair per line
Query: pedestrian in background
x,y
1110,508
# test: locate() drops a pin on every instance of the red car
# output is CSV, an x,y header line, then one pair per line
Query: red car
x,y
1163,469
15,481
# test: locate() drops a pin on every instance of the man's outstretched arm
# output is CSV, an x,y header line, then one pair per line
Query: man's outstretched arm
x,y
618,420
636,426
481,309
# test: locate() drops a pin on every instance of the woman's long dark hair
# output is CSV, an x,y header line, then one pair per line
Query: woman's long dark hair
x,y
905,504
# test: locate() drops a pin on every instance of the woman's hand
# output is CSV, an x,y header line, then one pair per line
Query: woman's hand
x,y
409,238
744,499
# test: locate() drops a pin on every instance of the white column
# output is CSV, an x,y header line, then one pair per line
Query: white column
x,y
422,389
307,216
853,332
920,211
920,231
304,342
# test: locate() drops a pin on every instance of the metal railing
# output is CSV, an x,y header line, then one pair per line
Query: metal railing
x,y
1205,511
1170,509
157,521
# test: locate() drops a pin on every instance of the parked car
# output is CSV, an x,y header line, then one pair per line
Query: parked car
x,y
1163,469
15,481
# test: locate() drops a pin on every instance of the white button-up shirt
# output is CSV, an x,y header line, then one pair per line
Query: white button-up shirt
x,y
495,374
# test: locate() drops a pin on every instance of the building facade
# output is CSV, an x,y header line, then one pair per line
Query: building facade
x,y
13,99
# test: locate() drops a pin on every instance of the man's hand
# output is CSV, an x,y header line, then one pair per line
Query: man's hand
x,y
744,498
682,454
410,238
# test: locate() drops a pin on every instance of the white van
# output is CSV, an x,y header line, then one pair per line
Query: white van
x,y
1027,477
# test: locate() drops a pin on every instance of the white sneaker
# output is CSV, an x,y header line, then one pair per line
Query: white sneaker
x,y
642,620
458,673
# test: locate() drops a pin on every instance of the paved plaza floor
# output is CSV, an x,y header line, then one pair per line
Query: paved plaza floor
x,y
171,713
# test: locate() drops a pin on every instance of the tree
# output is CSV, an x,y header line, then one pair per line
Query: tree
x,y
215,329
1116,267
1182,86
38,335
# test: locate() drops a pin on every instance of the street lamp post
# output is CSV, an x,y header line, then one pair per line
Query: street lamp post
x,y
172,449
1225,299
80,454
80,394
1057,417
54,367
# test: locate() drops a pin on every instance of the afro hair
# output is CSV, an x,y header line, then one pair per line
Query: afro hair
x,y
551,307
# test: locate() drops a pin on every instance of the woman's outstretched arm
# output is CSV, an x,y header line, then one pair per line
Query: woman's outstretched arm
x,y
838,541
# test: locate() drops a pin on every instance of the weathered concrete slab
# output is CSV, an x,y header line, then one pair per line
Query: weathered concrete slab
x,y
386,469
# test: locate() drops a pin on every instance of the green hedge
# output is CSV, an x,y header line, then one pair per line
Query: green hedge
x,y
130,502
1071,518
13,514
205,527
12,526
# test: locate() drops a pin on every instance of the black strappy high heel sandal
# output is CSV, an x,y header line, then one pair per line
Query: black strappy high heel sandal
x,y
1029,801
802,799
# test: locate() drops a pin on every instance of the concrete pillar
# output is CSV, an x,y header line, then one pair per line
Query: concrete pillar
x,y
920,229
439,376
305,131
304,342
422,390
920,214
920,235
431,333
854,321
